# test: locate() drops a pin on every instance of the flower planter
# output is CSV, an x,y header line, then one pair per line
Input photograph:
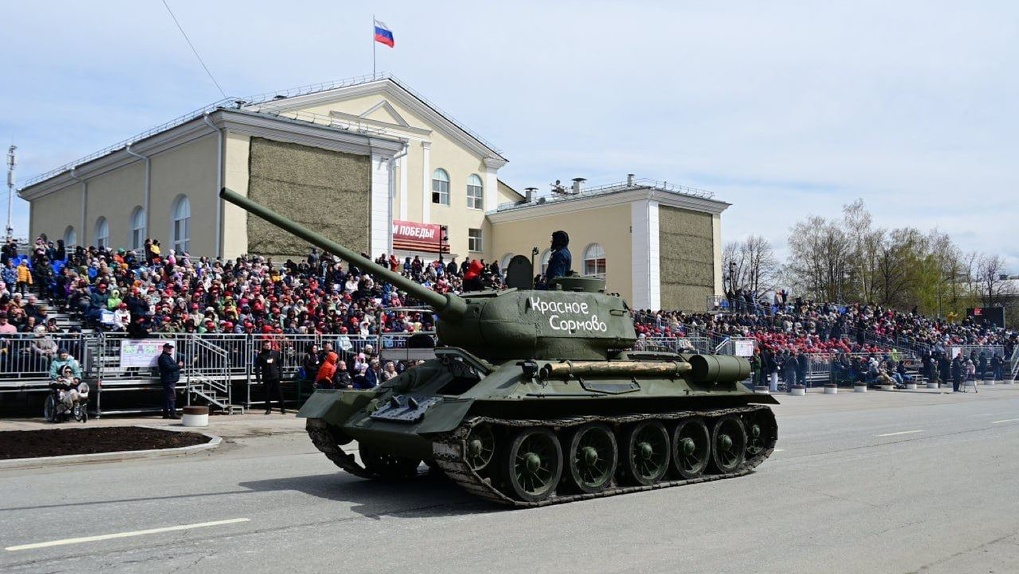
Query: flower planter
x,y
932,384
887,387
989,383
831,389
762,390
860,388
797,390
195,417
911,386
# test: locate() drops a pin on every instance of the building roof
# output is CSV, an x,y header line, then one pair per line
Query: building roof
x,y
282,104
571,198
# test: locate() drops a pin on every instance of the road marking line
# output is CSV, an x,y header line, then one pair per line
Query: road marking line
x,y
1004,421
122,535
779,450
898,433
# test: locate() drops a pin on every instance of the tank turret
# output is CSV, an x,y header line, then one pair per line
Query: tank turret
x,y
574,319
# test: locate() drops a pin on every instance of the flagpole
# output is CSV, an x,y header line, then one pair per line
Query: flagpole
x,y
373,46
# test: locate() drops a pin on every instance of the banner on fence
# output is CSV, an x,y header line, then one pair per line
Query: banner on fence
x,y
141,352
743,347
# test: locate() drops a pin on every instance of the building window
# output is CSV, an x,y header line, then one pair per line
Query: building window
x,y
544,260
137,239
181,228
70,237
102,233
594,260
440,187
474,240
475,192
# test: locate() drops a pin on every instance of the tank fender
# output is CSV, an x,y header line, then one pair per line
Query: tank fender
x,y
334,406
445,416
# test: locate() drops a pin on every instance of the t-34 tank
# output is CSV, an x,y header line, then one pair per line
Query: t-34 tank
x,y
535,397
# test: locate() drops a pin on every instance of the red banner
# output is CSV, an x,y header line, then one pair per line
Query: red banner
x,y
413,236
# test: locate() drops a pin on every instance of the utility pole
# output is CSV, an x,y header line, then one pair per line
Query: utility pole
x,y
11,163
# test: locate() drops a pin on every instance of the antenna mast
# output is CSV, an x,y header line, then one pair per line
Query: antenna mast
x,y
11,163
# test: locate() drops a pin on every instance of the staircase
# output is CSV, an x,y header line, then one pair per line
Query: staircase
x,y
210,383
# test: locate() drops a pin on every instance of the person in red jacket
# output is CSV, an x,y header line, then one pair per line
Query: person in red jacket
x,y
472,278
324,378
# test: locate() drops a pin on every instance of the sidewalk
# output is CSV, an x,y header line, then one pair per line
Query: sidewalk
x,y
252,423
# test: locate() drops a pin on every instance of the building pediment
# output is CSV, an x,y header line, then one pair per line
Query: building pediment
x,y
383,116
391,92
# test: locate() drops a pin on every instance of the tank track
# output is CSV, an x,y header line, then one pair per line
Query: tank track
x,y
324,440
448,451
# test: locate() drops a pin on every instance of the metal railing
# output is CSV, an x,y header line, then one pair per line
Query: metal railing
x,y
253,103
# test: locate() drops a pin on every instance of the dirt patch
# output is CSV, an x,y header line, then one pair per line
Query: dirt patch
x,y
60,442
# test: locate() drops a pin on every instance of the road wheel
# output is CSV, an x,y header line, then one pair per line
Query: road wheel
x,y
647,452
728,444
592,458
760,432
691,448
480,447
533,464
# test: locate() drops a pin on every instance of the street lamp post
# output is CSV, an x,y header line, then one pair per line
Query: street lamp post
x,y
442,240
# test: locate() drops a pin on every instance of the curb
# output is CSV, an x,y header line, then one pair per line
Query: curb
x,y
27,463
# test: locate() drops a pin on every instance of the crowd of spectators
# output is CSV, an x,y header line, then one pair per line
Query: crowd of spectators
x,y
151,292
808,327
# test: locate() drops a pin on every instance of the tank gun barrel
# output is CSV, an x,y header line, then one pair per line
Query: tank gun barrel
x,y
448,307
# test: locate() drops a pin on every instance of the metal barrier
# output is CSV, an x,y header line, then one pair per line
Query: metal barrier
x,y
25,358
219,368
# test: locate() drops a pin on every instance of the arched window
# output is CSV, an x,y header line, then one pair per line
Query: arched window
x,y
70,237
102,238
440,187
475,192
594,260
137,239
504,262
544,260
181,228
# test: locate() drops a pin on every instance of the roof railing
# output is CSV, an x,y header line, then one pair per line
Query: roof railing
x,y
255,103
640,183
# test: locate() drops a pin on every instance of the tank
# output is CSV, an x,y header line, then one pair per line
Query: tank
x,y
535,397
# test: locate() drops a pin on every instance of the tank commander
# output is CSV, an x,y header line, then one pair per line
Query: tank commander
x,y
560,261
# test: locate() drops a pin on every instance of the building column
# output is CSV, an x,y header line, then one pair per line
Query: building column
x,y
380,218
492,184
644,251
402,164
426,182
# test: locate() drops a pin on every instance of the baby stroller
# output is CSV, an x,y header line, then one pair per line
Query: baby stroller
x,y
69,398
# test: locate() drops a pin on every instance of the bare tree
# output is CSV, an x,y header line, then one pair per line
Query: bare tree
x,y
866,246
992,280
760,271
819,258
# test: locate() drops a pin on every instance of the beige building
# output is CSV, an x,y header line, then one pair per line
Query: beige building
x,y
380,169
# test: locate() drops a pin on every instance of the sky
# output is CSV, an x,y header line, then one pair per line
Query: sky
x,y
783,109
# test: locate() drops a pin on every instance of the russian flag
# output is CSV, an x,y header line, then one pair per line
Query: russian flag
x,y
383,35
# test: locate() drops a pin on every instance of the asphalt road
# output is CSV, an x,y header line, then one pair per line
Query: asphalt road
x,y
876,482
